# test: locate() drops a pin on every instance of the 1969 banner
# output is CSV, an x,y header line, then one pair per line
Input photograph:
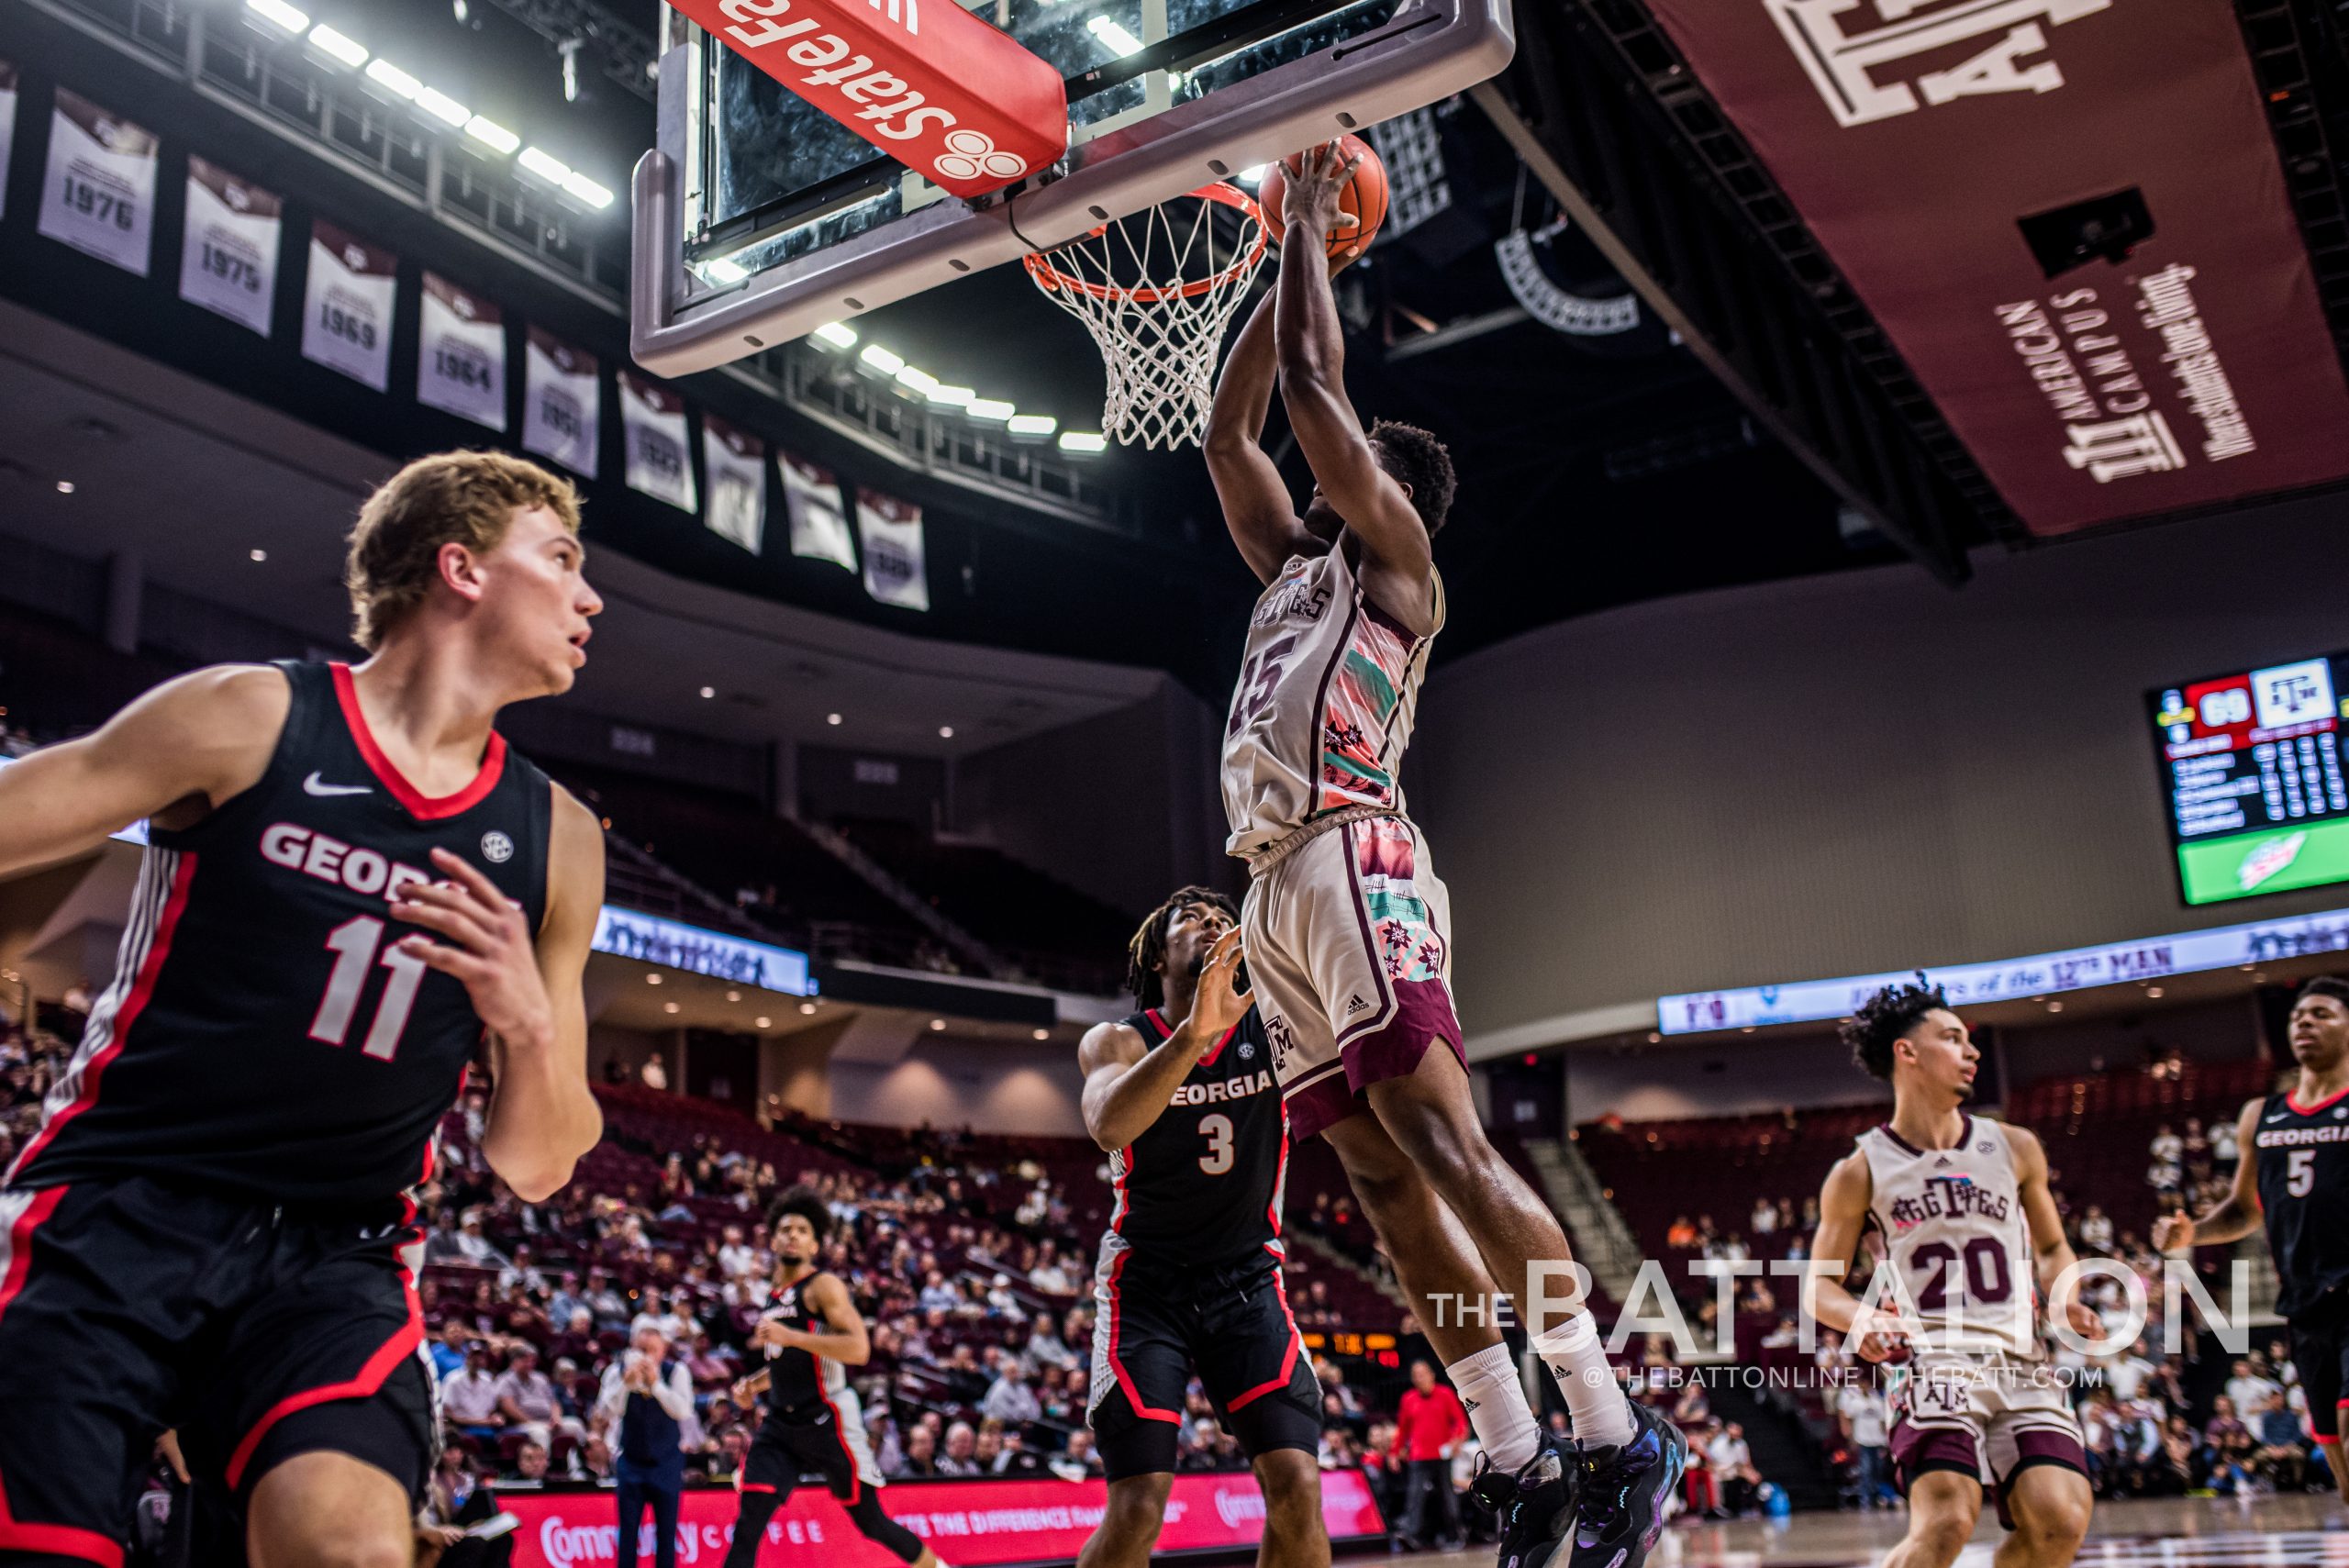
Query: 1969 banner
x,y
994,1523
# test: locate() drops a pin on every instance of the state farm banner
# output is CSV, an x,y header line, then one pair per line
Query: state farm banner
x,y
561,404
229,247
347,307
890,530
981,1524
100,193
811,494
653,425
7,123
736,461
1915,135
460,354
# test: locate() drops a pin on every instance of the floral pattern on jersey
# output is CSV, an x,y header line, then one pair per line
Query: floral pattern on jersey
x,y
1386,857
1364,694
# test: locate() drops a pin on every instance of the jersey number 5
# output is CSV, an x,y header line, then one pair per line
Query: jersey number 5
x,y
354,944
2299,1172
1217,1130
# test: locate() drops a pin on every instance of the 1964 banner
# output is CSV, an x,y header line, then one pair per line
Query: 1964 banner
x,y
1914,136
988,1523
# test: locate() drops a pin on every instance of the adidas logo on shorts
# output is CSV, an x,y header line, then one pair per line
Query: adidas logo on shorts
x,y
1357,1005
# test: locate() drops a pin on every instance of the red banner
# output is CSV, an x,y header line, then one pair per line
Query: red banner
x,y
1914,135
932,85
985,1524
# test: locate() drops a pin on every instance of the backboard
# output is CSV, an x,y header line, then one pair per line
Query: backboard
x,y
758,219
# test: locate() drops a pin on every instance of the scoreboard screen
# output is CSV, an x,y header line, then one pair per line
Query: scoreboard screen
x,y
2253,764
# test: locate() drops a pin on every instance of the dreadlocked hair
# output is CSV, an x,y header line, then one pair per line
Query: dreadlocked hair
x,y
809,1205
1147,950
1884,1017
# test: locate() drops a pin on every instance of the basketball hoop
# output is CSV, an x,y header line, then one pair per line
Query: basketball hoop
x,y
1156,296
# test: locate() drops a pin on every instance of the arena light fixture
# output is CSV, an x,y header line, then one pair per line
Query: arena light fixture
x,y
492,135
671,1008
1251,174
990,408
281,17
579,188
831,718
392,80
442,107
916,381
708,692
257,556
537,161
1084,442
953,397
835,334
65,487
936,1025
808,1009
882,360
1117,41
346,53
654,978
724,270
1031,423
1043,1034
946,732
763,1023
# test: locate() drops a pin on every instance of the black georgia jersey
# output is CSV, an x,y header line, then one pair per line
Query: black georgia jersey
x,y
264,1034
1202,1185
797,1379
2303,1154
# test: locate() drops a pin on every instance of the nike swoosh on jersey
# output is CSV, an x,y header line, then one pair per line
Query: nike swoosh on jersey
x,y
2279,1116
313,785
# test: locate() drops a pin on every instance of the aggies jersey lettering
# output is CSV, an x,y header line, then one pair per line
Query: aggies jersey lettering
x,y
796,1378
263,1035
2303,1154
1953,1225
1202,1185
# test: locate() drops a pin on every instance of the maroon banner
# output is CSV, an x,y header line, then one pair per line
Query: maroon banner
x,y
1913,135
985,1524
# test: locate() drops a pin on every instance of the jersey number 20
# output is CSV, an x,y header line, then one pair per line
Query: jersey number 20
x,y
354,944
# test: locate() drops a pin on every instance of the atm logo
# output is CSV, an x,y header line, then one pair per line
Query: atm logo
x,y
1863,74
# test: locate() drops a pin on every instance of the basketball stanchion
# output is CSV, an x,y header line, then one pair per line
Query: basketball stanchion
x,y
1157,291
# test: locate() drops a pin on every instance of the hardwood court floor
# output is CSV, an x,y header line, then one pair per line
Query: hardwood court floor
x,y
2307,1531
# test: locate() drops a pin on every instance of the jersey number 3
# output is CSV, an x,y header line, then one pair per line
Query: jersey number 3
x,y
354,944
1217,1130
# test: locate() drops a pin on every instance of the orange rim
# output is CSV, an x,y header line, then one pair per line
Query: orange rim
x,y
1047,276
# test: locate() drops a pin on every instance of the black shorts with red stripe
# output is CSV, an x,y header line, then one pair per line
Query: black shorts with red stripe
x,y
1153,1325
2320,1351
131,1306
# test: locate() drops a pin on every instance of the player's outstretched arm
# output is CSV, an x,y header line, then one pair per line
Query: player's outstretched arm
x,y
848,1343
2057,1265
1126,1087
1256,507
1398,568
2238,1214
192,743
530,996
1842,1214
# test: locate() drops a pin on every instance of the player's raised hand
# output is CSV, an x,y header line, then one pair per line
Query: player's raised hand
x,y
488,947
1219,1003
2173,1233
1313,181
2083,1319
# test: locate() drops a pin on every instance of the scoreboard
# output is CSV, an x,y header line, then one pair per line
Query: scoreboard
x,y
2252,762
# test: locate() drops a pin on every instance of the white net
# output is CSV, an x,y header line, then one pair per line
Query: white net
x,y
1157,290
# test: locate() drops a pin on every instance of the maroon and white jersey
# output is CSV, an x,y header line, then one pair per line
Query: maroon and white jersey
x,y
1954,1230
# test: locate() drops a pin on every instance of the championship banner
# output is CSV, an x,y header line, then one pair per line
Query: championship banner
x,y
992,1523
652,424
736,461
228,248
891,532
818,522
7,123
347,308
2070,217
460,354
562,405
933,86
100,194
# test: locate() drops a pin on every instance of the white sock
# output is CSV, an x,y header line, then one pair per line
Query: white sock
x,y
1488,1385
1601,1412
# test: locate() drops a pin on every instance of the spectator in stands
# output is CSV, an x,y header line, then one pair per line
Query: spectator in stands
x,y
529,1466
1860,1412
1010,1399
2282,1456
1077,1461
1764,1220
2248,1388
2225,1152
960,1457
937,1295
1731,1462
920,1463
470,1396
2096,1229
1428,1425
522,1272
655,1073
449,1349
473,1247
735,1258
1681,1233
526,1400
2167,1147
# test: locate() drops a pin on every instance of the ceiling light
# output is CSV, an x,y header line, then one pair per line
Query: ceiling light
x,y
441,107
990,408
938,1023
724,270
733,995
492,135
1084,442
653,979
258,554
707,691
2055,1006
763,1023
544,164
669,1007
916,380
838,334
346,53
281,16
831,718
1120,41
1032,424
65,487
952,396
583,189
1251,174
392,80
1043,1034
882,360
946,732
2153,990
808,1007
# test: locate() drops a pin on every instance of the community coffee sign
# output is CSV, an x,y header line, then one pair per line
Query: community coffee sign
x,y
1916,137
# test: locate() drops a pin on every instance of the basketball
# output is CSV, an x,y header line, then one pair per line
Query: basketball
x,y
1365,196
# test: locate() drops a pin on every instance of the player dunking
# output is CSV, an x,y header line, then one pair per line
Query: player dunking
x,y
1346,924
811,1332
2295,1175
1970,1225
350,881
1181,1096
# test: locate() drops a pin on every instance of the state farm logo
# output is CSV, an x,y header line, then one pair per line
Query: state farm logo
x,y
970,153
1863,72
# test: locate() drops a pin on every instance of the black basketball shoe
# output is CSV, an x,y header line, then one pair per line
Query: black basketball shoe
x,y
1624,1491
1533,1506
